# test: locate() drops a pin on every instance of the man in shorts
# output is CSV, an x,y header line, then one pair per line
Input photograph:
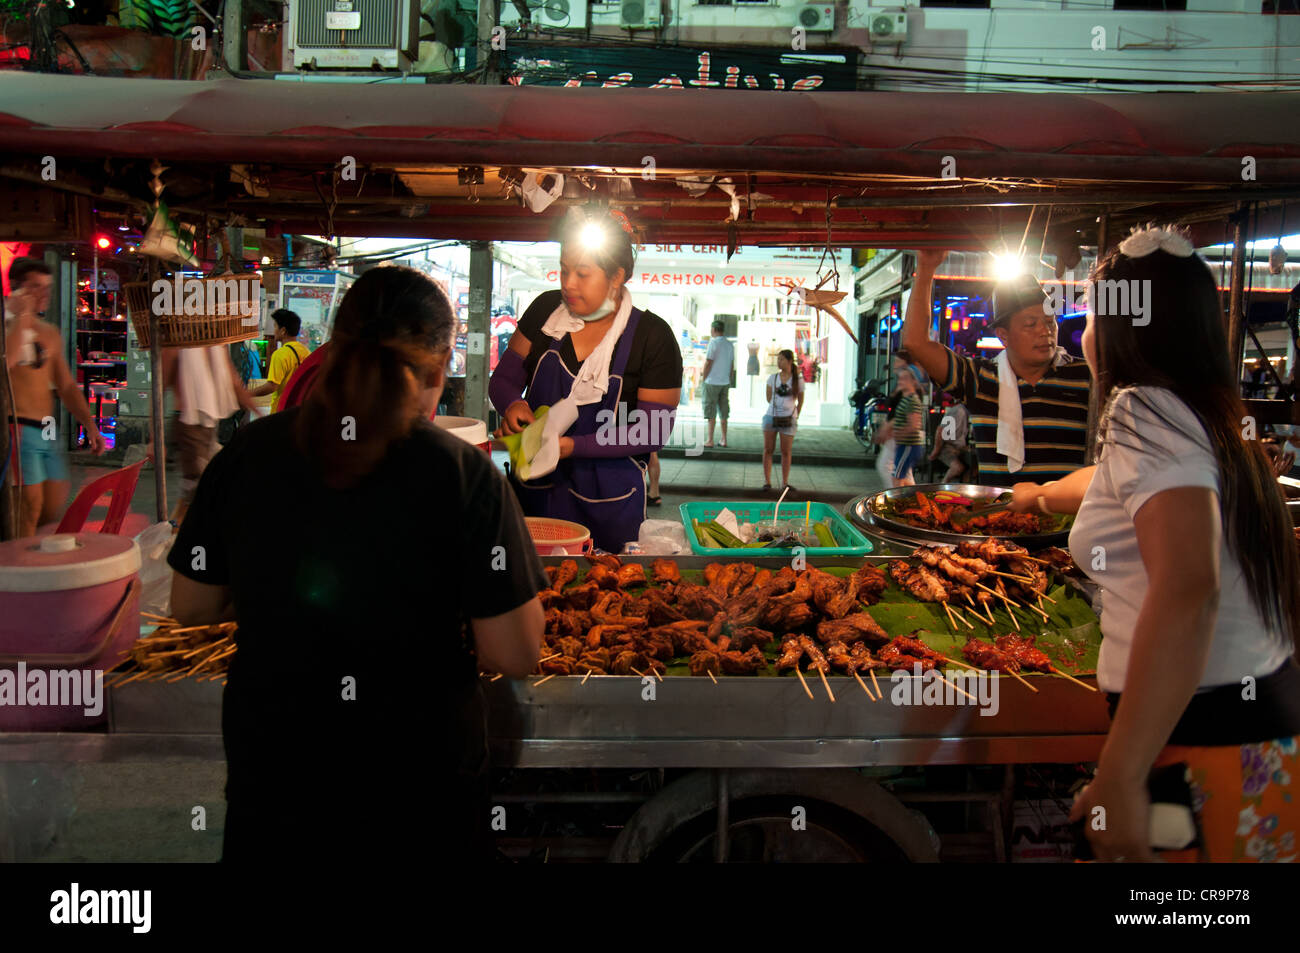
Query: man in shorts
x,y
718,362
39,372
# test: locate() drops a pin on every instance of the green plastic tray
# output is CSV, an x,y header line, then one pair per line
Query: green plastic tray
x,y
751,511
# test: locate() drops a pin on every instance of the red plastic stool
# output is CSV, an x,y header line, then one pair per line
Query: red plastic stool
x,y
121,483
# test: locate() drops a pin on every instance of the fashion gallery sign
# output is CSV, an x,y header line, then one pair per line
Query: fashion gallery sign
x,y
681,68
703,279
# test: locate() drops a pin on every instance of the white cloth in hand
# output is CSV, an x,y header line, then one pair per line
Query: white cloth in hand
x,y
1011,425
590,385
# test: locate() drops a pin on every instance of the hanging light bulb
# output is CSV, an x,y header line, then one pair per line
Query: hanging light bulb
x,y
1007,266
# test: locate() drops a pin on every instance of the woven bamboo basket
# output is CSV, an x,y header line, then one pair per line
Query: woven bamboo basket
x,y
231,311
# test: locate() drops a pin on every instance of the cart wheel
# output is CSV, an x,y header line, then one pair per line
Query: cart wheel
x,y
777,816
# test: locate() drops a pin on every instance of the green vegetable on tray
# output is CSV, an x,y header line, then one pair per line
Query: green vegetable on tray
x,y
703,536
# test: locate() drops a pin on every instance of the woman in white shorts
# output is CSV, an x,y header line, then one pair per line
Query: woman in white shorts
x,y
784,404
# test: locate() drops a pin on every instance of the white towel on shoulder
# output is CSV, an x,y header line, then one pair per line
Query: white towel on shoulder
x,y
590,385
204,390
1011,425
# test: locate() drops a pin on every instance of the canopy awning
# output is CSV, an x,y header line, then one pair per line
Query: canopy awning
x,y
902,167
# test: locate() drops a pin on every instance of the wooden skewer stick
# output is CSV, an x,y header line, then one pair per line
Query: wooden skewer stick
x,y
655,672
803,682
864,685
1009,575
1056,671
974,608
710,674
199,628
204,648
1028,558
642,674
822,673
1021,679
1033,608
1043,595
494,677
587,676
951,622
956,689
546,679
953,661
549,657
1008,600
875,684
962,619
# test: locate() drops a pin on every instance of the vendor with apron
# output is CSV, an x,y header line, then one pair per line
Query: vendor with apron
x,y
610,375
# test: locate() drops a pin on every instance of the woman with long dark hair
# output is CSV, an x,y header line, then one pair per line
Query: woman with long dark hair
x,y
785,393
373,563
1182,525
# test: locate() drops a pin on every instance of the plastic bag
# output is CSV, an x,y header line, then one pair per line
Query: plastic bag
x,y
662,538
155,575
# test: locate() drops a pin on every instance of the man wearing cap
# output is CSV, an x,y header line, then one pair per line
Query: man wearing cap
x,y
1028,406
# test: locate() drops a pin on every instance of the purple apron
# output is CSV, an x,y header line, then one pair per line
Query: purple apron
x,y
606,494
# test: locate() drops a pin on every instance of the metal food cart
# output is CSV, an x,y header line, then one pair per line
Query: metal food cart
x,y
740,740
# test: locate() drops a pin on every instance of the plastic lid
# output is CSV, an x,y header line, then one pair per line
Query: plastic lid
x,y
66,561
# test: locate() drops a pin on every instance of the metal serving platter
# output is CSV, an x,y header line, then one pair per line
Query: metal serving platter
x,y
867,513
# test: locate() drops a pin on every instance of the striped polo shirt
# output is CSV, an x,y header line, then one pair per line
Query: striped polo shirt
x,y
1054,411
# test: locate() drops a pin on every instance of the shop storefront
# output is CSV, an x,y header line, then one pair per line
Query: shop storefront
x,y
691,286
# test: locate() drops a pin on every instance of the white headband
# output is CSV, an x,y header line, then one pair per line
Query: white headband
x,y
1143,242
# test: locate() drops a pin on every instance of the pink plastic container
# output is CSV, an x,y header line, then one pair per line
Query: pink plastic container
x,y
69,605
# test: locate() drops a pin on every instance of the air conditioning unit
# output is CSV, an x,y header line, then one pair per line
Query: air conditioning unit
x,y
547,14
352,34
640,14
888,27
816,17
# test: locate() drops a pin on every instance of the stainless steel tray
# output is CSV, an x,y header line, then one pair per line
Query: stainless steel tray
x,y
866,513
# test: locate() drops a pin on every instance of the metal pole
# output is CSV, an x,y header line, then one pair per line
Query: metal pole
x,y
487,22
720,842
1094,393
478,340
156,402
232,36
1237,293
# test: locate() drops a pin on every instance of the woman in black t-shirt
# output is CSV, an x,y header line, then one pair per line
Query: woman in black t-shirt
x,y
352,719
611,375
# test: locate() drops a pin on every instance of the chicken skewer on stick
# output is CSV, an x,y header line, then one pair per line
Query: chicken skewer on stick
x,y
792,654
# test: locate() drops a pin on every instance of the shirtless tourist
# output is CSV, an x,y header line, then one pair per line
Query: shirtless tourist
x,y
39,372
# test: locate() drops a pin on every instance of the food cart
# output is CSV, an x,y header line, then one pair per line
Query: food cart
x,y
861,169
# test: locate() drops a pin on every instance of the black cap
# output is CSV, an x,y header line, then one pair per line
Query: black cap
x,y
1014,295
